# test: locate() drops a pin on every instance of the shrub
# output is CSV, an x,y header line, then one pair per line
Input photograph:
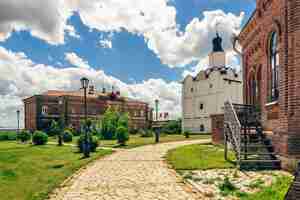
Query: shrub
x,y
39,138
187,134
227,187
134,131
54,128
122,135
172,127
9,135
24,136
93,143
67,136
146,133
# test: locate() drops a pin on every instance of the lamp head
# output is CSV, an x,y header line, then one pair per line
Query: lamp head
x,y
84,82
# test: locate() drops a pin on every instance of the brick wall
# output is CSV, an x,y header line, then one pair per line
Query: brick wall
x,y
283,117
71,110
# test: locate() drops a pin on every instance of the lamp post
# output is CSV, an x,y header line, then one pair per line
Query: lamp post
x,y
86,150
18,119
156,108
157,130
60,121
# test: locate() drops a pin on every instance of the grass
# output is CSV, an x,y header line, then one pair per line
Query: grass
x,y
137,140
201,157
276,191
31,172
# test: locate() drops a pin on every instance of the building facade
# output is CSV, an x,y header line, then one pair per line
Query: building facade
x,y
40,110
205,94
271,63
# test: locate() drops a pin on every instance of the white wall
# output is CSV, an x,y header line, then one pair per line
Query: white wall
x,y
212,92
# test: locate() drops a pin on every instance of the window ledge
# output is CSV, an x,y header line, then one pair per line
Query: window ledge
x,y
271,103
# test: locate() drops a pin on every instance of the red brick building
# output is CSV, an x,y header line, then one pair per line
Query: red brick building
x,y
40,110
271,62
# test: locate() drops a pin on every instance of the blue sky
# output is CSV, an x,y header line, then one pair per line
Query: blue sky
x,y
147,44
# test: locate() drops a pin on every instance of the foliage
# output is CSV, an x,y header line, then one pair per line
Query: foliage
x,y
54,128
146,133
172,127
187,134
122,135
30,172
24,136
93,141
134,131
67,136
39,138
111,121
8,135
227,187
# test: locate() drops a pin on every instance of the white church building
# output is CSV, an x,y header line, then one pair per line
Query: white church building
x,y
205,94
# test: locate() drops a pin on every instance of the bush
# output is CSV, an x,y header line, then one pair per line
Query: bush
x,y
67,136
54,128
172,127
146,133
24,136
39,138
9,135
122,135
93,143
134,131
187,134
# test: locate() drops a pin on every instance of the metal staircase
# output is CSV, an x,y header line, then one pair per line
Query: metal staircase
x,y
244,132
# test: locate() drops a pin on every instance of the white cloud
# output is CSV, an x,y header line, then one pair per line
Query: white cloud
x,y
106,44
20,77
155,20
232,60
75,60
71,31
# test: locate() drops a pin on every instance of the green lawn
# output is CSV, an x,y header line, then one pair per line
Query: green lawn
x,y
205,156
30,172
137,140
276,191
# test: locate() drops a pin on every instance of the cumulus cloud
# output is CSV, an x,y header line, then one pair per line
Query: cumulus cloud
x,y
20,77
107,44
75,60
232,60
155,20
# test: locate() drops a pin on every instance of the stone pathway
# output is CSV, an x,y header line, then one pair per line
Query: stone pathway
x,y
134,174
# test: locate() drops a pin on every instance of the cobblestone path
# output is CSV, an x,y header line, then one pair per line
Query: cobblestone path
x,y
134,174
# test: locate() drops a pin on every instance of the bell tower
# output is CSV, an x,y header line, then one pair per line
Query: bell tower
x,y
217,58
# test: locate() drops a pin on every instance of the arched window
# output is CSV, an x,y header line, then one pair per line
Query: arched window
x,y
274,62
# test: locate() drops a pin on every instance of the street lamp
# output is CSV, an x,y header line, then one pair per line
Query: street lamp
x,y
157,130
86,150
18,119
156,108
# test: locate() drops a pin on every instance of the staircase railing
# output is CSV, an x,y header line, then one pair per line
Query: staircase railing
x,y
232,129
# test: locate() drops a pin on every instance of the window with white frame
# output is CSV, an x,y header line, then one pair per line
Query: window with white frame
x,y
44,110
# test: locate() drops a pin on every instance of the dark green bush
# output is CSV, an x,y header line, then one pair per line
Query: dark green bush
x,y
172,127
186,134
54,129
146,133
39,138
24,136
9,135
67,136
134,131
122,135
93,143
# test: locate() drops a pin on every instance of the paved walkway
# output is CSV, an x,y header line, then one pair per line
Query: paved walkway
x,y
134,174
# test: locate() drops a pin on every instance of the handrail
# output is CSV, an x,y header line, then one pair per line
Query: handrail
x,y
231,119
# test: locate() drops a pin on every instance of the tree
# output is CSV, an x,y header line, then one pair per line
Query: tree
x,y
172,127
111,121
54,128
122,135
